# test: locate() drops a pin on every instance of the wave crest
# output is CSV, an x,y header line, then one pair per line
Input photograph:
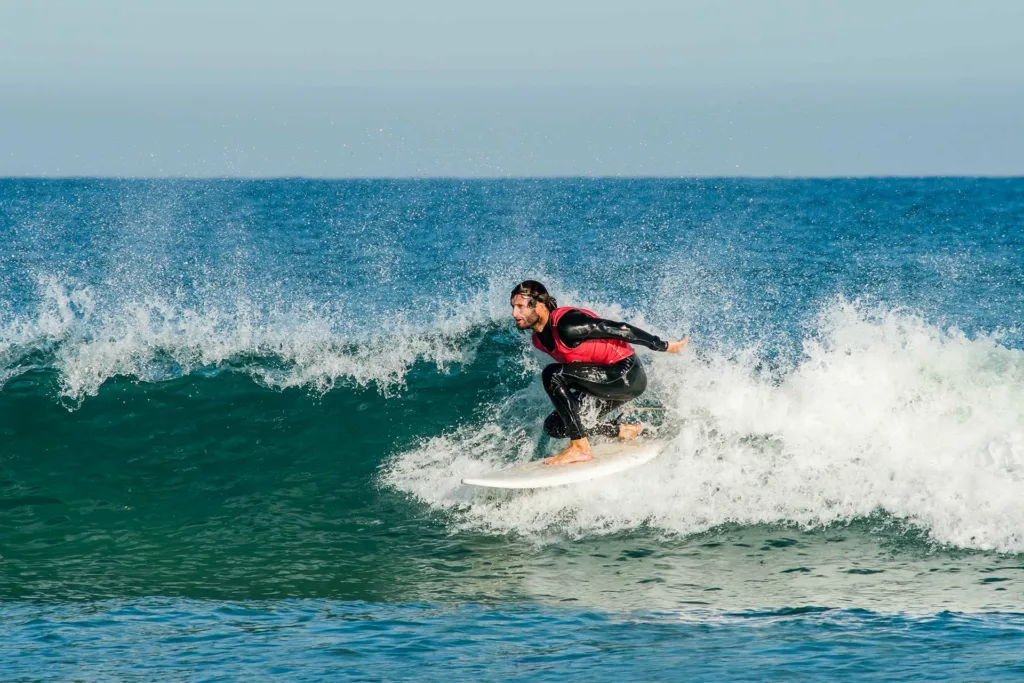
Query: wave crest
x,y
152,338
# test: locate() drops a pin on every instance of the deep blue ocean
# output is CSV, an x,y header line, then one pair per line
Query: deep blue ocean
x,y
234,418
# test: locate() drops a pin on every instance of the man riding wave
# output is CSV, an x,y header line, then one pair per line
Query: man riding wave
x,y
594,361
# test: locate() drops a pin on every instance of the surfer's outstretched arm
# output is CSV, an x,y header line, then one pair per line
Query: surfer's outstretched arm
x,y
575,327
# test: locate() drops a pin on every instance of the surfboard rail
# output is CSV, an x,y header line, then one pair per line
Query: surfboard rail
x,y
609,458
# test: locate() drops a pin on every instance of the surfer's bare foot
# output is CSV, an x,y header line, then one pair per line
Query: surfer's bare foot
x,y
578,451
629,431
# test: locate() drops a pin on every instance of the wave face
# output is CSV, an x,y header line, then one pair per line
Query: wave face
x,y
273,388
882,413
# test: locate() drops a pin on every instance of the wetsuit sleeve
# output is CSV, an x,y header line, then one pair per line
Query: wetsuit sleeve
x,y
575,327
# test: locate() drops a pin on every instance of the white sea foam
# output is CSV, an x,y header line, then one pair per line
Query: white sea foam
x,y
882,412
152,338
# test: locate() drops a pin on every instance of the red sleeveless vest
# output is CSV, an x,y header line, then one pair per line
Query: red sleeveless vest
x,y
603,351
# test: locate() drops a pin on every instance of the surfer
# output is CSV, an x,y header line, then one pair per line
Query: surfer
x,y
595,364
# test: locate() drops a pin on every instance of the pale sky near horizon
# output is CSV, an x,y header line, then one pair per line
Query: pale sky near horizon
x,y
459,88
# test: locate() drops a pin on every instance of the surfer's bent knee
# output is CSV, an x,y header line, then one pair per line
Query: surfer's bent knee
x,y
548,376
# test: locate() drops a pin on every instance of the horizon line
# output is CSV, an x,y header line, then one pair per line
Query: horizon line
x,y
424,178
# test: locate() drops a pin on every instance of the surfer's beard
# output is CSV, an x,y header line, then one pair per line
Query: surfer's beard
x,y
529,321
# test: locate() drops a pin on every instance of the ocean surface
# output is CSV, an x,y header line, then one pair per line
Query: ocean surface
x,y
234,417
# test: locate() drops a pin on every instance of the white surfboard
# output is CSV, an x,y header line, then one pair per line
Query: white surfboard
x,y
609,458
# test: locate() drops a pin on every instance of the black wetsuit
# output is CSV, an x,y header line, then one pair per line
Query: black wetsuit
x,y
591,389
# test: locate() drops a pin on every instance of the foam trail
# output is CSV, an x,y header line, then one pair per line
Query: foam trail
x,y
883,412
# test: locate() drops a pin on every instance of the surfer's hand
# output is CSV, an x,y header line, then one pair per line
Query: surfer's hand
x,y
677,346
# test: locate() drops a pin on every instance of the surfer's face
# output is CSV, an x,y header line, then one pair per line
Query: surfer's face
x,y
524,312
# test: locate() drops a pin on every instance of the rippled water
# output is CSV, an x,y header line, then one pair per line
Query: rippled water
x,y
234,417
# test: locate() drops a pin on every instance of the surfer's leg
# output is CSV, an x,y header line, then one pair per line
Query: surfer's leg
x,y
610,385
566,406
634,383
555,427
567,414
606,427
615,386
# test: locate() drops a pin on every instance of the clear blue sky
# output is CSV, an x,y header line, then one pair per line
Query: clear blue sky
x,y
454,88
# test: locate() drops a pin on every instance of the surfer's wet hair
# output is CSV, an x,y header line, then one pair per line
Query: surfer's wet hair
x,y
536,293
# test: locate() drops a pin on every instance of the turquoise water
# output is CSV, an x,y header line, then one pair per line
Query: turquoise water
x,y
234,417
